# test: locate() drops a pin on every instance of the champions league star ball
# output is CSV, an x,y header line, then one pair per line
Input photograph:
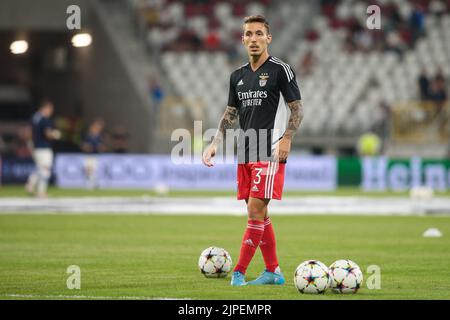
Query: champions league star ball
x,y
312,277
215,262
346,276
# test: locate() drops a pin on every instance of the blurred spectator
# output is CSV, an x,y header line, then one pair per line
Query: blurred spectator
x,y
363,40
119,139
93,143
438,95
395,43
311,35
328,7
417,23
424,85
187,40
156,92
212,41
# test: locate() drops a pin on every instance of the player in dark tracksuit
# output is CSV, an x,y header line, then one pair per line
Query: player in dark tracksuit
x,y
43,134
264,95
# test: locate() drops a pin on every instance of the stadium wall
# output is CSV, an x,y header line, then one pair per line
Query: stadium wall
x,y
325,173
108,91
38,15
98,85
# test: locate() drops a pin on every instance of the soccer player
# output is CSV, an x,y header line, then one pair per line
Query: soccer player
x,y
43,133
264,95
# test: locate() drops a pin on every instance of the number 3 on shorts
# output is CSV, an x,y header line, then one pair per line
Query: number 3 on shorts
x,y
257,179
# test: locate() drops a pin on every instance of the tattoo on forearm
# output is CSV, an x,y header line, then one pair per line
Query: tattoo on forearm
x,y
295,119
226,122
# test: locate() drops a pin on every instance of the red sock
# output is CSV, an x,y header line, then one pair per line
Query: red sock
x,y
252,236
268,246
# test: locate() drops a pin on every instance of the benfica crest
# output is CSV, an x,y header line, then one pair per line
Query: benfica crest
x,y
263,79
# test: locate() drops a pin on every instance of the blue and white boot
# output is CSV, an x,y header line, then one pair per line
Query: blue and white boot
x,y
238,279
268,277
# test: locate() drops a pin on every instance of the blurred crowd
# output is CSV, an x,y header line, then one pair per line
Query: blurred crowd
x,y
211,25
402,25
194,24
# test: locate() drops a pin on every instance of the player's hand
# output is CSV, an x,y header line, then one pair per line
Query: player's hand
x,y
283,149
56,134
209,154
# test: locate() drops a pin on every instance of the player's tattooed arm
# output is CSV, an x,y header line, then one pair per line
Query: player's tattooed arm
x,y
226,122
295,119
284,147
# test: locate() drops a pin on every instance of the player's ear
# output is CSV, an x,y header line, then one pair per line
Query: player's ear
x,y
269,38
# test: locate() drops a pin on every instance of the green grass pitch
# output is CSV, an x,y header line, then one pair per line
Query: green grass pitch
x,y
156,256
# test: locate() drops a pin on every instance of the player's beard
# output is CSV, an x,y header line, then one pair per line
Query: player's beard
x,y
256,54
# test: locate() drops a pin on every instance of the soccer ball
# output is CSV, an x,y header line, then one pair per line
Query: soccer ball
x,y
346,276
312,277
215,262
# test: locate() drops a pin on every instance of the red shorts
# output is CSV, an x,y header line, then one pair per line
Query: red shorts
x,y
260,180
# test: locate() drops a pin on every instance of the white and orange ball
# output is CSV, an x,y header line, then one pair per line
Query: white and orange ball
x,y
346,276
215,262
312,276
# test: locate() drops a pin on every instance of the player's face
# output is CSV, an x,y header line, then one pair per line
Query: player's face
x,y
47,110
96,128
255,38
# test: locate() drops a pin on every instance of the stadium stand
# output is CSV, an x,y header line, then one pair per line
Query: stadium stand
x,y
175,57
353,80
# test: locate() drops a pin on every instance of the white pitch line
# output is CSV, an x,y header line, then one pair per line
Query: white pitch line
x,y
220,206
87,297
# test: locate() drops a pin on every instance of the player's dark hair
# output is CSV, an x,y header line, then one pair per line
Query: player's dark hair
x,y
257,18
43,102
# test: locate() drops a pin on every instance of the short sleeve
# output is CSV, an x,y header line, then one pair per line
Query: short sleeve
x,y
288,84
232,98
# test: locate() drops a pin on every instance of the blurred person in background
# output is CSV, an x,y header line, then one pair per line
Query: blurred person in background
x,y
438,94
424,85
212,41
43,133
119,139
156,93
417,23
93,144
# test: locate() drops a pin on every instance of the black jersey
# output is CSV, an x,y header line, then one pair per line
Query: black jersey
x,y
261,98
